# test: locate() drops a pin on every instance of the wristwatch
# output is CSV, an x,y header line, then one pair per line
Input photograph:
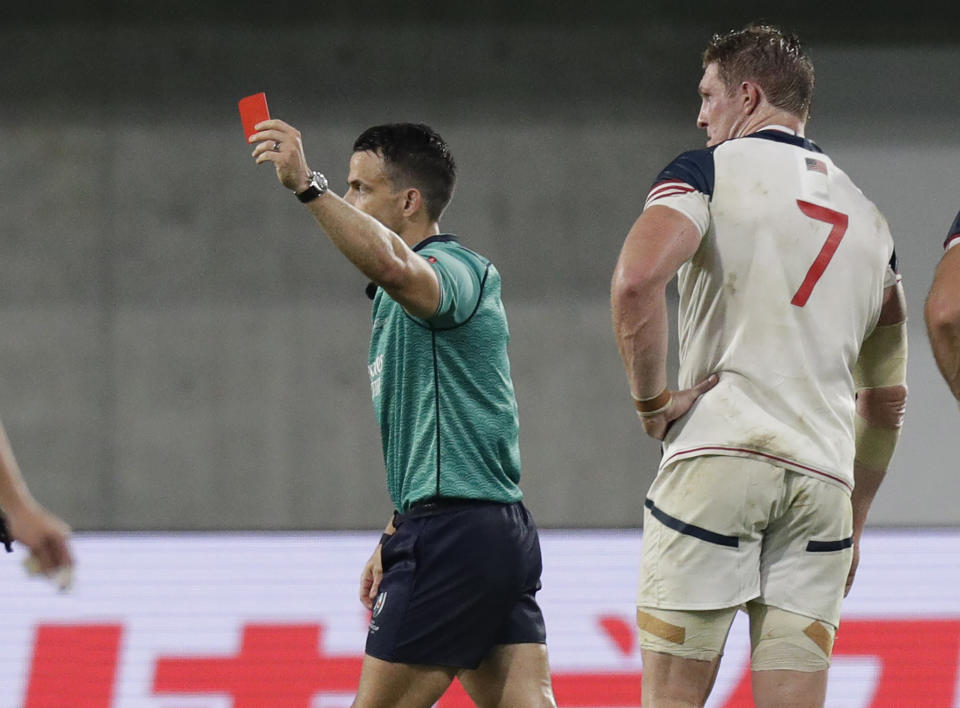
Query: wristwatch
x,y
318,185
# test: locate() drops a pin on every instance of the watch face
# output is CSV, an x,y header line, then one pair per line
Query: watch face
x,y
317,187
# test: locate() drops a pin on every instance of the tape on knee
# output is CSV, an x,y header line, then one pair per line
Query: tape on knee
x,y
693,634
786,640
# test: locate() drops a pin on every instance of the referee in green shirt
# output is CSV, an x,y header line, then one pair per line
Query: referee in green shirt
x,y
452,583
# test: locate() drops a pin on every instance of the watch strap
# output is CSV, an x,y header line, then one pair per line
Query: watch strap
x,y
318,185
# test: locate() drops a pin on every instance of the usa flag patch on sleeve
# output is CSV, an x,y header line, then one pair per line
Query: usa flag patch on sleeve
x,y
815,165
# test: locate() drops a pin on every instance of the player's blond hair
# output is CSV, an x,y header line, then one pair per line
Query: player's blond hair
x,y
767,56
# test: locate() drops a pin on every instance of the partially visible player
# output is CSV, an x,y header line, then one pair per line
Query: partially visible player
x,y
25,521
942,311
791,391
452,585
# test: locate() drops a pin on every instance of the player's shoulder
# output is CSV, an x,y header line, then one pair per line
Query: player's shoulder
x,y
772,144
697,168
693,167
775,136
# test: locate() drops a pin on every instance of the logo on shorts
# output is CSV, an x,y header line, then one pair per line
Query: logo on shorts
x,y
381,601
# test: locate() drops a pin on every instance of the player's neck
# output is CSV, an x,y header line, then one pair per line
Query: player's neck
x,y
769,118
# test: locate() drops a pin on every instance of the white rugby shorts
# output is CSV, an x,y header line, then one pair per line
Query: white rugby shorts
x,y
719,531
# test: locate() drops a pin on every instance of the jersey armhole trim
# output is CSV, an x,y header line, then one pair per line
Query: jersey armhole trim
x,y
428,326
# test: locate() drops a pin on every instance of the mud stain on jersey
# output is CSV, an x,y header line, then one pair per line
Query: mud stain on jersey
x,y
760,188
761,441
732,283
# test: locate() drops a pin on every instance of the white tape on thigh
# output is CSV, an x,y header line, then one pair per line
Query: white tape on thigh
x,y
788,641
693,634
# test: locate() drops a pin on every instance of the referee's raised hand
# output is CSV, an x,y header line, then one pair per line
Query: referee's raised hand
x,y
281,144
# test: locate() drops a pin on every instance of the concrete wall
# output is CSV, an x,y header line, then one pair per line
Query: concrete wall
x,y
183,349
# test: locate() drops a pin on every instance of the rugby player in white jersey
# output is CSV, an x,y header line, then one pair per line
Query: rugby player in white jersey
x,y
791,384
942,310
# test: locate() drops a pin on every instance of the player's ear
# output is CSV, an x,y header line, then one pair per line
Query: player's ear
x,y
751,95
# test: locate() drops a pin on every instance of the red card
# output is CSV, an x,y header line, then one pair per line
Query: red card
x,y
253,110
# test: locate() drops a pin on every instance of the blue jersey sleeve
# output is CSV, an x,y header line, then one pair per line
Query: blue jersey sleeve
x,y
694,168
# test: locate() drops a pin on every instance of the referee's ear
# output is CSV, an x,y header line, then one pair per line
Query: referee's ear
x,y
413,203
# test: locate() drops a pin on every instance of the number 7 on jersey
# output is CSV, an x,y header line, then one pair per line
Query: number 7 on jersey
x,y
839,223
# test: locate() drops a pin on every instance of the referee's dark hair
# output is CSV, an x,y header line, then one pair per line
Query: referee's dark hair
x,y
414,154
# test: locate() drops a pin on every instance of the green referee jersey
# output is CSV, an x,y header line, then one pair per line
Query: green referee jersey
x,y
441,386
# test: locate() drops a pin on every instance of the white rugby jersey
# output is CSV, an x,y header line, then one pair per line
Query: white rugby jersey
x,y
787,282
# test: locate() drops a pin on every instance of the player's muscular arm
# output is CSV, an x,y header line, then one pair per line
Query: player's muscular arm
x,y
661,240
942,313
375,250
881,404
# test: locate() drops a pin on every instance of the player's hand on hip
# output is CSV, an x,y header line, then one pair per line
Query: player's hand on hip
x,y
370,579
680,402
280,143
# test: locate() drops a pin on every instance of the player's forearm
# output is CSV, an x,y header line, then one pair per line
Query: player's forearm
x,y
880,413
943,328
373,248
640,325
946,352
866,483
942,314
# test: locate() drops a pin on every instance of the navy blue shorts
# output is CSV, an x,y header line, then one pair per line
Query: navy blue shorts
x,y
458,579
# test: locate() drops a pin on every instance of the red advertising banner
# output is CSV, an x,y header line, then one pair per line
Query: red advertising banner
x,y
265,621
